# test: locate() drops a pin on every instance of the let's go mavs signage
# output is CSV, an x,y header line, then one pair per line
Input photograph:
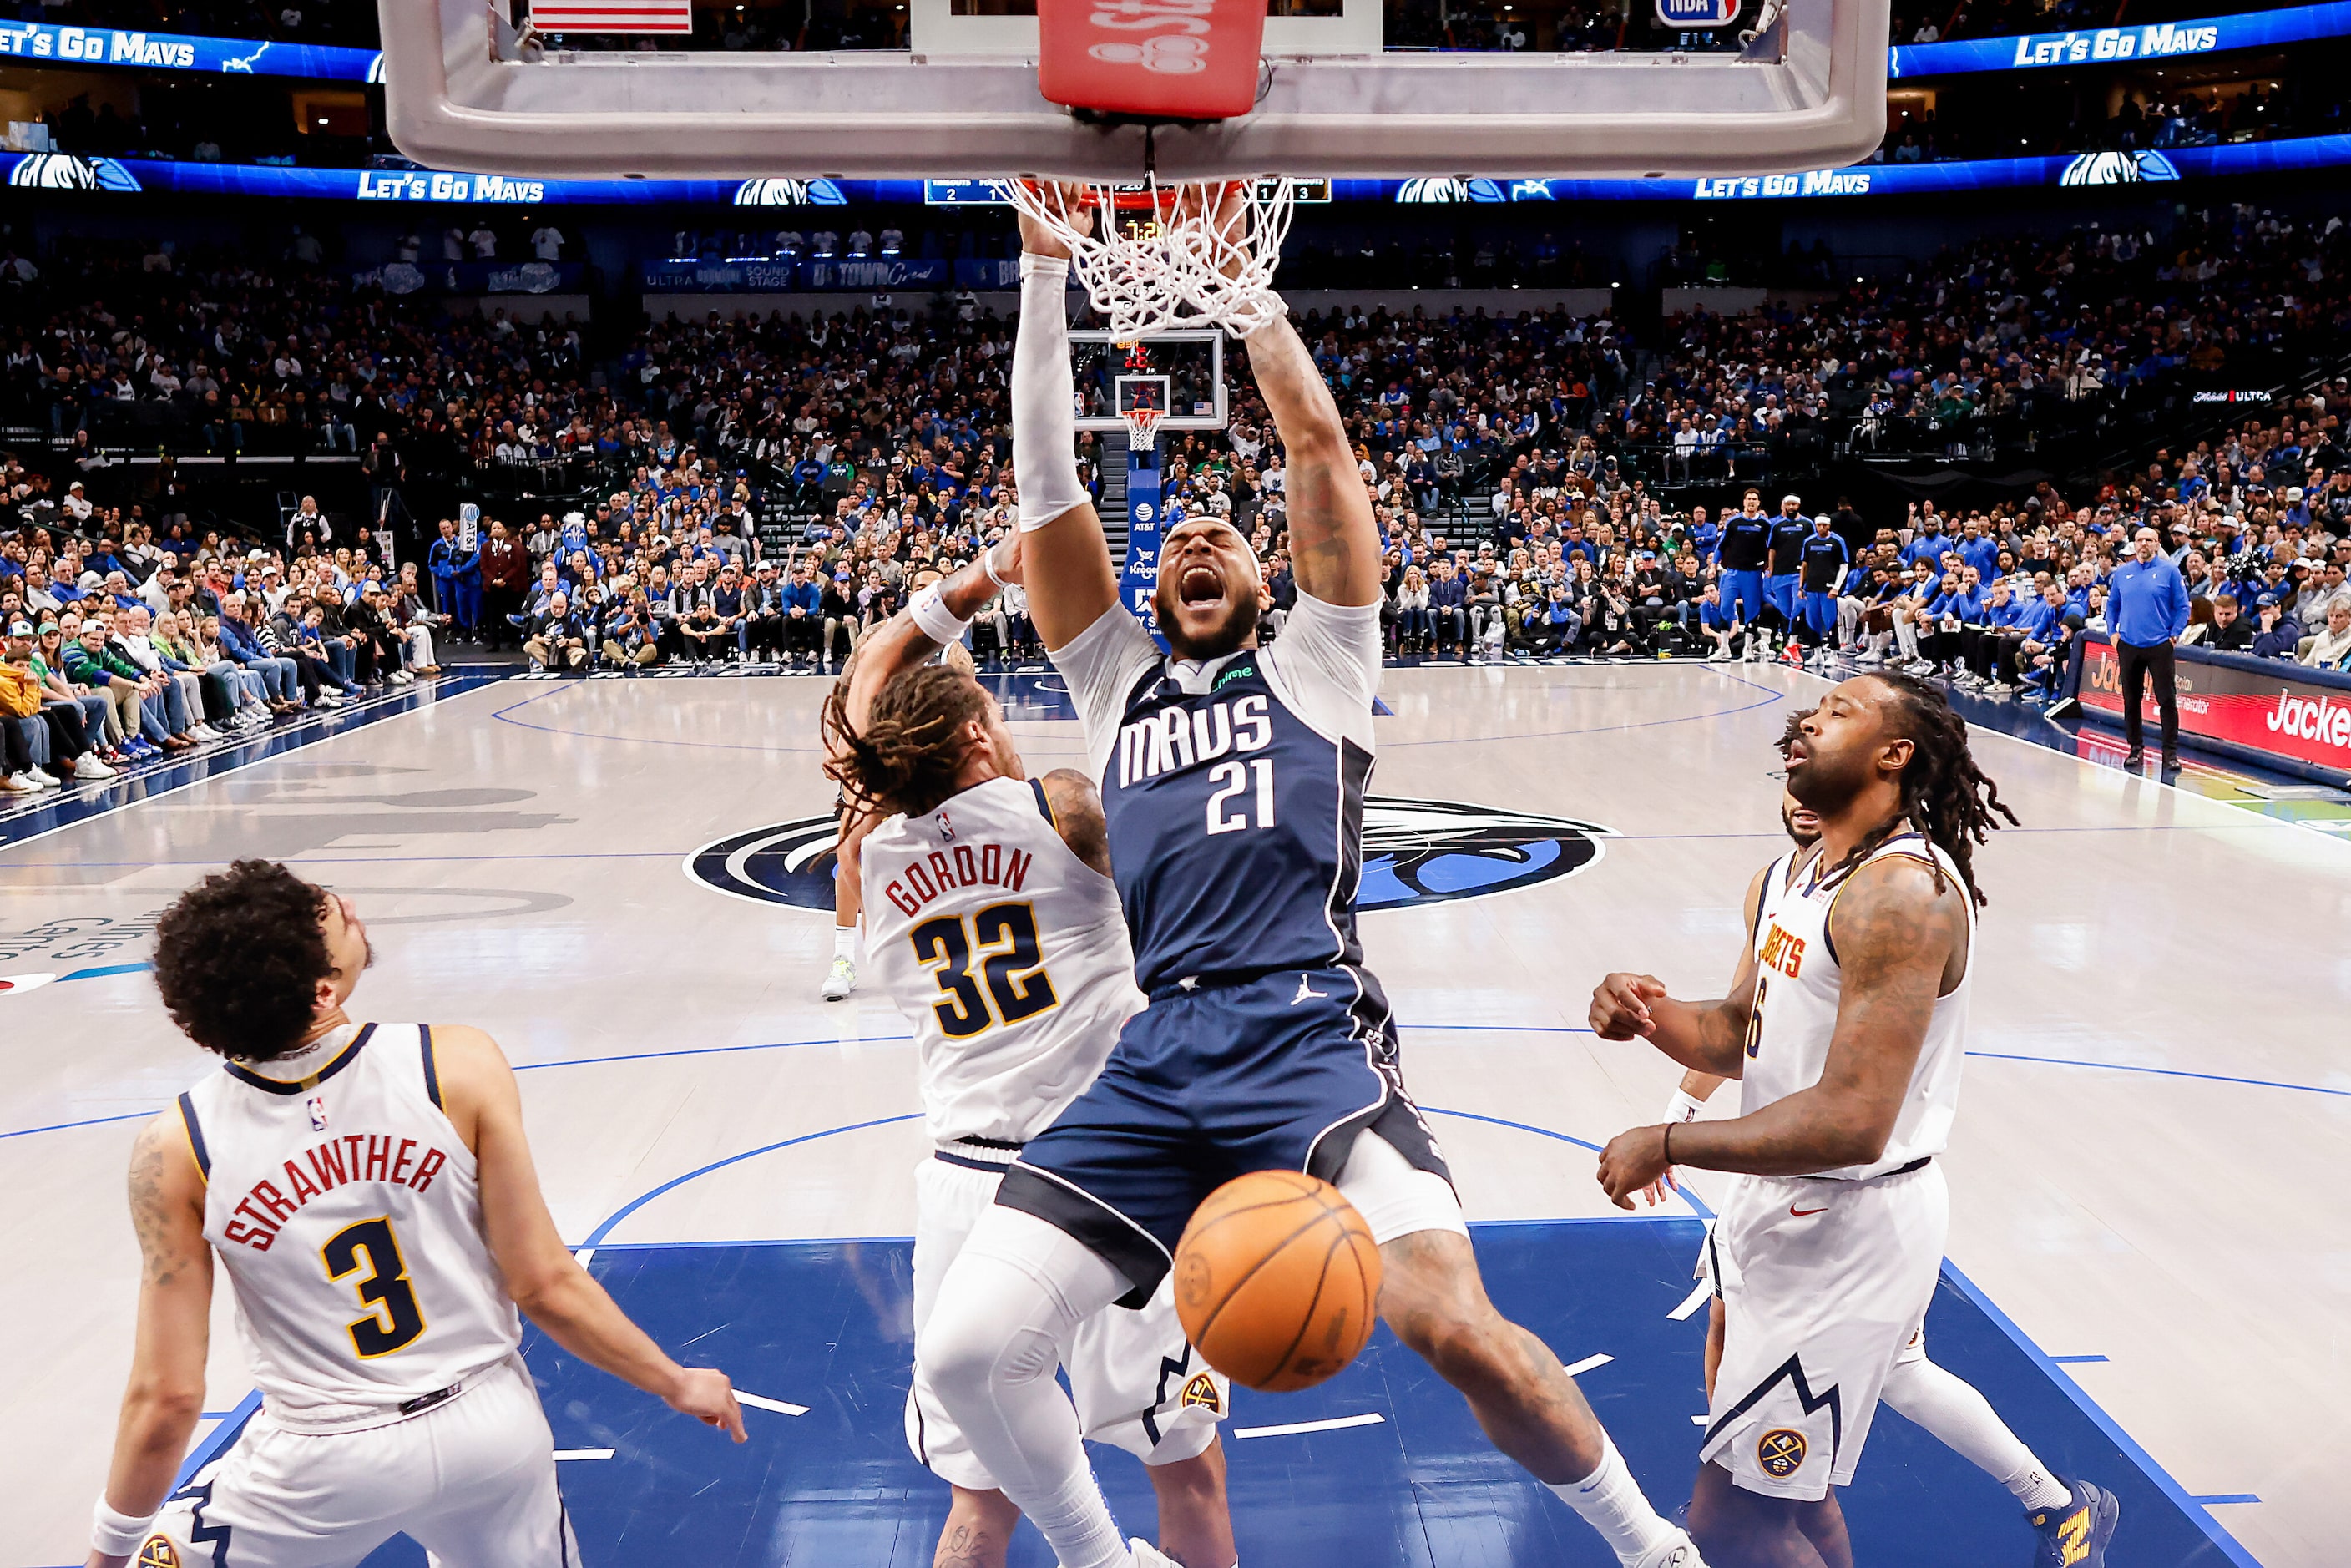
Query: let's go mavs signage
x,y
1414,851
45,43
2106,46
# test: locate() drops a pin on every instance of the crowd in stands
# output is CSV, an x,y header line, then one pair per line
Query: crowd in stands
x,y
767,489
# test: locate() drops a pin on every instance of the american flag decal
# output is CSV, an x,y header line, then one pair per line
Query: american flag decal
x,y
613,15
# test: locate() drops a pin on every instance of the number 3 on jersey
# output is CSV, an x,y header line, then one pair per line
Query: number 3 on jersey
x,y
397,1321
1003,939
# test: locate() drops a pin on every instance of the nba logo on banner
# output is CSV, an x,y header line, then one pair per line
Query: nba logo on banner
x,y
1697,13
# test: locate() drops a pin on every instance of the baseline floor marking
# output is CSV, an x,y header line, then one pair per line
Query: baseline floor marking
x,y
2228,1496
2213,1528
91,809
1296,1428
1697,1205
760,1402
1692,1302
1769,697
1589,1363
563,1454
2075,1360
218,1440
626,1209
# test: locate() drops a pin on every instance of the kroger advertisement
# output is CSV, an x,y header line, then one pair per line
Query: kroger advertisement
x,y
47,43
75,172
2100,46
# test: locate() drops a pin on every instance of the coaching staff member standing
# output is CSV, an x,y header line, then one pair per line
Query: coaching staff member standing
x,y
2147,610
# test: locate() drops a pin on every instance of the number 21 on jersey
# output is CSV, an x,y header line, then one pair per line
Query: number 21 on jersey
x,y
989,972
1229,812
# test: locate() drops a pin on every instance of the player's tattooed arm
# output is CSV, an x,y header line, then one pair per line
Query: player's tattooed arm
x,y
1334,543
1900,934
165,1395
1078,816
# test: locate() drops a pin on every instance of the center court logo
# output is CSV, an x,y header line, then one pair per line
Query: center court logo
x,y
1414,851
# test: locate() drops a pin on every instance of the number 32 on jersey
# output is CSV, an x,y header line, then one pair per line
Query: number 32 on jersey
x,y
989,970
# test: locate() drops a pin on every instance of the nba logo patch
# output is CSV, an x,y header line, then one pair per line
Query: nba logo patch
x,y
1780,1452
158,1553
318,1113
946,828
1202,1391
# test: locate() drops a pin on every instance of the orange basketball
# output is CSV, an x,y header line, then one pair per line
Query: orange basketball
x,y
1277,1281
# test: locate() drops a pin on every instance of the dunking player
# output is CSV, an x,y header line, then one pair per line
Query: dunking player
x,y
369,1191
1233,781
1949,1409
993,924
1847,1038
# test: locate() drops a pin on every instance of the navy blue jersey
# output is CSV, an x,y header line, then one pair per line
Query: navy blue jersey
x,y
1788,537
1234,791
1745,541
1823,559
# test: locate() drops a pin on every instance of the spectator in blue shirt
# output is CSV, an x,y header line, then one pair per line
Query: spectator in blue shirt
x,y
2147,610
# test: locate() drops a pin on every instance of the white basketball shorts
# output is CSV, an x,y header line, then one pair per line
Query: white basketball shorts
x,y
1138,1384
472,1481
1824,1285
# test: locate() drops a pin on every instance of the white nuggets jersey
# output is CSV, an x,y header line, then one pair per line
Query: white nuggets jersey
x,y
1006,953
348,1213
1797,987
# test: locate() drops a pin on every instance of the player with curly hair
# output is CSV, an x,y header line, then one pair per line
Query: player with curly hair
x,y
369,1190
1846,1030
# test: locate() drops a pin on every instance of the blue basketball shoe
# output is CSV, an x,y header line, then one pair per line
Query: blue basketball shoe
x,y
2075,1536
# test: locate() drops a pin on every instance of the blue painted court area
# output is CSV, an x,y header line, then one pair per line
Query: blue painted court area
x,y
826,1325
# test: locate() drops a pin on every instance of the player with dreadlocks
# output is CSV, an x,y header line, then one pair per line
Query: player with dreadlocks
x,y
1847,1030
992,922
1949,1409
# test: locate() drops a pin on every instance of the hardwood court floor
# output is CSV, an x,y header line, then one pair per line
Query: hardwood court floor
x,y
2145,1176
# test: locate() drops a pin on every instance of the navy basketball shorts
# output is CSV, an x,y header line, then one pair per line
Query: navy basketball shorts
x,y
1743,593
1277,1072
1779,593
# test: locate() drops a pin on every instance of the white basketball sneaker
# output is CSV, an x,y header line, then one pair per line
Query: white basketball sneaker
x,y
840,980
1681,1551
1149,1556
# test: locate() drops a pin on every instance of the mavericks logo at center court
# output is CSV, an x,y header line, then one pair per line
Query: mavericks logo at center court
x,y
1414,851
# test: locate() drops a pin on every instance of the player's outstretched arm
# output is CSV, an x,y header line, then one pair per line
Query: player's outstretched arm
x,y
479,1093
1067,561
917,631
1895,928
165,1396
1334,543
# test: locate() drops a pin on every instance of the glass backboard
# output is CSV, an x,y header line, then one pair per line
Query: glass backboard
x,y
949,89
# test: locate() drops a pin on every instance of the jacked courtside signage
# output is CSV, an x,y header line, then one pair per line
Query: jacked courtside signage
x,y
2265,705
1414,851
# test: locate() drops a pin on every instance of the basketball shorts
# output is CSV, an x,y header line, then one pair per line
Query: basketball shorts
x,y
1743,592
1137,1383
1277,1072
1781,593
472,1481
1823,1284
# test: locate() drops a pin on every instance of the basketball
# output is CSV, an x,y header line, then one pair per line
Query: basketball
x,y
1277,1281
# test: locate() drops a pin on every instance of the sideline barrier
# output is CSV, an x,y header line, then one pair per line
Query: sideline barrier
x,y
2267,711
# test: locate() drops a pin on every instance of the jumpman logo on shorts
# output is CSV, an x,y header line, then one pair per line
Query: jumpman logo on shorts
x,y
1305,990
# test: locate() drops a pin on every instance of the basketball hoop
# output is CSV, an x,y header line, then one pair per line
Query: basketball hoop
x,y
1142,428
1195,255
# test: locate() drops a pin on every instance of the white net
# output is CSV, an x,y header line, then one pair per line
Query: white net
x,y
1142,428
1160,259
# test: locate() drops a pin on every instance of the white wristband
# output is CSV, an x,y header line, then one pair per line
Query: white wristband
x,y
1682,1107
117,1534
988,565
939,624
